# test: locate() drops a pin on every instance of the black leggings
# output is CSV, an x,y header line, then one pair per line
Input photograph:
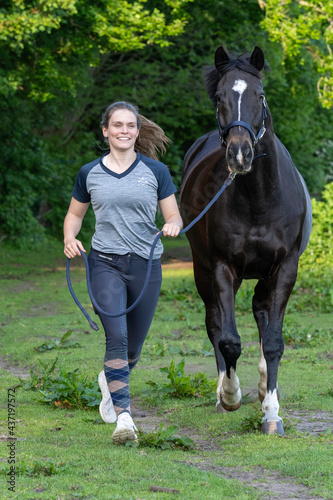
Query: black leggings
x,y
116,282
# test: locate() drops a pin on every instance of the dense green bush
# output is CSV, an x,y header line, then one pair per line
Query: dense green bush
x,y
319,253
316,264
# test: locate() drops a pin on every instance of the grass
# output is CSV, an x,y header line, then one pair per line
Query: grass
x,y
64,452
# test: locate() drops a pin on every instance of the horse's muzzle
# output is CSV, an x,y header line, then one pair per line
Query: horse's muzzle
x,y
239,157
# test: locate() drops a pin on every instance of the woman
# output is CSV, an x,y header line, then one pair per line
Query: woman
x,y
124,186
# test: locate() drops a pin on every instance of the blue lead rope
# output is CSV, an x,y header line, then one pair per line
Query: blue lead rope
x,y
92,323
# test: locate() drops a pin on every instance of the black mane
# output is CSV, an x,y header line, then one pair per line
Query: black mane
x,y
212,76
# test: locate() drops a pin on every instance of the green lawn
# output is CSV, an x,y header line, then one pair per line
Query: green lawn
x,y
67,453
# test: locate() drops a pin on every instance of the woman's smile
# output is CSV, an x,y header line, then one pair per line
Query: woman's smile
x,y
122,130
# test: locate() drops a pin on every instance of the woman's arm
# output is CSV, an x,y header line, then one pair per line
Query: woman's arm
x,y
173,221
72,226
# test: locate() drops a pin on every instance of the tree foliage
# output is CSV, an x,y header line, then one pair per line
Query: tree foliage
x,y
52,53
319,254
300,26
63,62
47,46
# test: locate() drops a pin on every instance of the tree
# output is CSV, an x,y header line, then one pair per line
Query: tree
x,y
47,46
51,55
304,25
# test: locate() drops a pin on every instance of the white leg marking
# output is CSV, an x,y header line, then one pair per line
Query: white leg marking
x,y
262,369
239,86
219,391
230,391
219,385
270,407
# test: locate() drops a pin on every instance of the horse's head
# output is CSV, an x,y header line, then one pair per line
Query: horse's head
x,y
235,88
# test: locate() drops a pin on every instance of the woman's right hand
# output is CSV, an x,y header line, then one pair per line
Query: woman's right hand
x,y
72,248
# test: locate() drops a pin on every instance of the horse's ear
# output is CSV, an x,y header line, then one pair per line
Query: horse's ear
x,y
257,58
221,56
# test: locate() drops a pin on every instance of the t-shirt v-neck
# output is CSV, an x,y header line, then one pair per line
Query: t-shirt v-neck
x,y
114,174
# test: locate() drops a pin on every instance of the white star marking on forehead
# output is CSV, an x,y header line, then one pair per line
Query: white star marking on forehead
x,y
239,86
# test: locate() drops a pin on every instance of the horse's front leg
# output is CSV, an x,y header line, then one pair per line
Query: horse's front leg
x,y
204,282
260,312
228,340
272,347
228,391
273,307
213,327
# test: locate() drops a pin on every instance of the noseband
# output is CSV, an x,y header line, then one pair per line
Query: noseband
x,y
255,138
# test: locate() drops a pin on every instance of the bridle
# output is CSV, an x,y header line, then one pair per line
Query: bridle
x,y
255,138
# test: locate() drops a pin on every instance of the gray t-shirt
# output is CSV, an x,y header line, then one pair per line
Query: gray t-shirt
x,y
125,204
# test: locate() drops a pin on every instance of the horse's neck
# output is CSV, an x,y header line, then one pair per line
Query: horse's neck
x,y
265,179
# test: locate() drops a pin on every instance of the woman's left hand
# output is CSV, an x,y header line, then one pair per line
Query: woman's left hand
x,y
171,229
171,215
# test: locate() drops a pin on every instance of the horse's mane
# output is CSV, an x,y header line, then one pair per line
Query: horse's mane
x,y
212,76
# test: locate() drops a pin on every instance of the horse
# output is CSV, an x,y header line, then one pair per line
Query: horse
x,y
256,230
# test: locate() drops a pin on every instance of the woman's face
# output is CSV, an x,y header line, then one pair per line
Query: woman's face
x,y
122,130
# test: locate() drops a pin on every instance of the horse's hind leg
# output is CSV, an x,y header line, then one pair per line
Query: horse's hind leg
x,y
260,312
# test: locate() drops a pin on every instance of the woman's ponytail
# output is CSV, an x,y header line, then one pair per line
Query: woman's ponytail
x,y
152,140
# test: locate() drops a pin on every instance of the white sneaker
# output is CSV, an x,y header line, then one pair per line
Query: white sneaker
x,y
125,430
106,409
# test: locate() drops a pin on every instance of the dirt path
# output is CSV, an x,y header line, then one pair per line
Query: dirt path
x,y
16,370
272,484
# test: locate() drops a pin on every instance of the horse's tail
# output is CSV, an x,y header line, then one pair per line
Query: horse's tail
x,y
307,225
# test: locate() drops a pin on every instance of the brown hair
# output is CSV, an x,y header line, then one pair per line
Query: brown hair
x,y
151,140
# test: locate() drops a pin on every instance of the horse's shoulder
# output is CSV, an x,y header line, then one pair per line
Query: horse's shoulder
x,y
205,144
205,149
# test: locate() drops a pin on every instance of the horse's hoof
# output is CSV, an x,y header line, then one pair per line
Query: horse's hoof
x,y
219,408
274,427
231,407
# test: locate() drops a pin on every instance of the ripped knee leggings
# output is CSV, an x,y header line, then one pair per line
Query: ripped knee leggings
x,y
116,282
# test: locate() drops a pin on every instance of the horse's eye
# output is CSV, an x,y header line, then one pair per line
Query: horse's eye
x,y
218,99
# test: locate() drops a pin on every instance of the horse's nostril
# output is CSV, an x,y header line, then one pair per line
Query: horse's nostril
x,y
248,155
231,158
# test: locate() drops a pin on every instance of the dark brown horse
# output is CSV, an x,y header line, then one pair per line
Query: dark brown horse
x,y
257,229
